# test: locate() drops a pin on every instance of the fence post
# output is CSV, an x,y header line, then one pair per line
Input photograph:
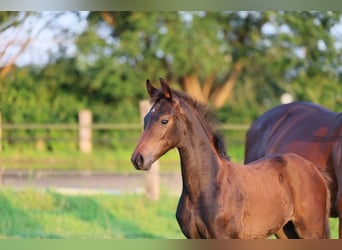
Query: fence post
x,y
152,187
85,133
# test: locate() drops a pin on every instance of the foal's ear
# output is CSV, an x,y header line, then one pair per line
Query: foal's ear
x,y
166,89
150,89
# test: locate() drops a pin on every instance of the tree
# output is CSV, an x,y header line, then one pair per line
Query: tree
x,y
161,44
10,20
240,63
215,56
20,31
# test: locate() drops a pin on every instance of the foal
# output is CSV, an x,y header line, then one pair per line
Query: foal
x,y
221,199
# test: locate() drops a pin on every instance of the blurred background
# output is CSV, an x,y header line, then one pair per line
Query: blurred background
x,y
56,66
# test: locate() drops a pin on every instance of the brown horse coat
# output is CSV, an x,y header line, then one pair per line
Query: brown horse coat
x,y
308,130
221,199
257,200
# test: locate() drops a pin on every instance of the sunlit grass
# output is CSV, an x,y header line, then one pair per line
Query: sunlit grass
x,y
333,228
36,214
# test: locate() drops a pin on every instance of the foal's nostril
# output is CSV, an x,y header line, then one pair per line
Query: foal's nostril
x,y
138,161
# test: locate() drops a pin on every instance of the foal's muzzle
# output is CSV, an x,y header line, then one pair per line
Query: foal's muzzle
x,y
139,162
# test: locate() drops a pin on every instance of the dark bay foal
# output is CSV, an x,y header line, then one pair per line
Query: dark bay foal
x,y
221,199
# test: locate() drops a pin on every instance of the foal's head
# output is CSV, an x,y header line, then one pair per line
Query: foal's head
x,y
161,129
171,118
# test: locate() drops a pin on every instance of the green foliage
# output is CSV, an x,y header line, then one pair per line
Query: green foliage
x,y
280,52
285,57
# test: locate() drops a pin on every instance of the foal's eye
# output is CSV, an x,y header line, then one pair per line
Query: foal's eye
x,y
164,122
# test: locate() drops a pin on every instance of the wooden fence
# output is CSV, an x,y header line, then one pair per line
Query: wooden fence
x,y
85,129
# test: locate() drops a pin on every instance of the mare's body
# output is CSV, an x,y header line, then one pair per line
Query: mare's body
x,y
306,129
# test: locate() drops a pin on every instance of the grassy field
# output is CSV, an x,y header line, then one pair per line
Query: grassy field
x,y
100,160
36,214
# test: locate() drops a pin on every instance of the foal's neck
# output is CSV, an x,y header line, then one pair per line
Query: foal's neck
x,y
200,161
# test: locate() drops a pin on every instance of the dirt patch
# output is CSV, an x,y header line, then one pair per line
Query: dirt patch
x,y
87,180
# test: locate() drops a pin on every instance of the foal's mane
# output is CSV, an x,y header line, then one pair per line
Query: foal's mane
x,y
206,116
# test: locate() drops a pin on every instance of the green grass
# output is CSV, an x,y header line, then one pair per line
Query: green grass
x,y
99,160
333,228
118,160
37,214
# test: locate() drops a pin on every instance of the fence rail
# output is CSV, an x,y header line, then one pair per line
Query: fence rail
x,y
81,135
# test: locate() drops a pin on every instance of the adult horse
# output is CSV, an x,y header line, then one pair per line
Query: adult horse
x,y
221,199
306,129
